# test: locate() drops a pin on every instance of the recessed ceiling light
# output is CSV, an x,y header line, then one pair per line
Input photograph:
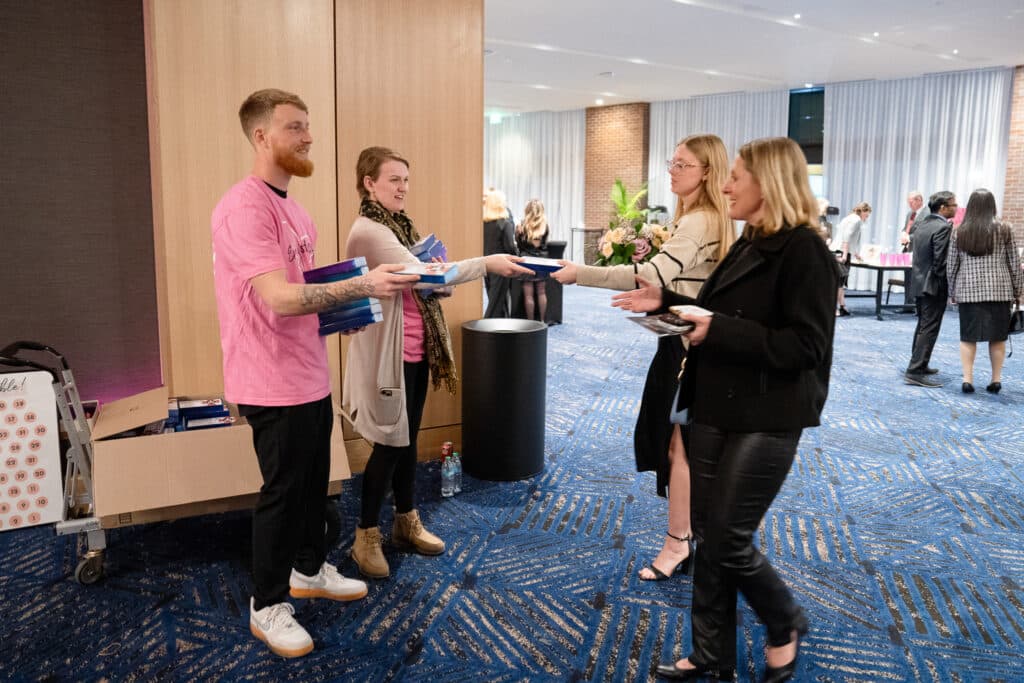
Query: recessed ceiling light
x,y
599,101
608,94
637,60
796,16
808,85
956,52
541,87
875,34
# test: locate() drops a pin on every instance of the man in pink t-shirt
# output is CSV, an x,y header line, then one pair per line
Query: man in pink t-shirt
x,y
275,363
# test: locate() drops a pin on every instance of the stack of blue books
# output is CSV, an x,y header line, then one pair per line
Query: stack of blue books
x,y
429,248
352,314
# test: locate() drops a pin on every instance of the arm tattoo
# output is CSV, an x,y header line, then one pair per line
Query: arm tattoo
x,y
316,298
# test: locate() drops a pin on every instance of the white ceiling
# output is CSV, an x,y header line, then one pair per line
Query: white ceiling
x,y
551,54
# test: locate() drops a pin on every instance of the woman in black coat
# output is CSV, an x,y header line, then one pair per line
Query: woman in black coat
x,y
499,238
756,375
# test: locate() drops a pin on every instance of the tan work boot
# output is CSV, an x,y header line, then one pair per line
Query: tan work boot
x,y
409,532
368,555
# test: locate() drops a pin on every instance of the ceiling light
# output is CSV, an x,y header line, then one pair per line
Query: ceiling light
x,y
544,47
495,118
875,34
637,60
796,16
608,94
808,85
541,87
956,52
599,101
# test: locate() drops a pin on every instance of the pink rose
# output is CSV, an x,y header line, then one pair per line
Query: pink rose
x,y
643,248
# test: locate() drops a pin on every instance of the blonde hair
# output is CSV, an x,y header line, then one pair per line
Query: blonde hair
x,y
369,163
259,107
710,152
780,168
495,205
534,224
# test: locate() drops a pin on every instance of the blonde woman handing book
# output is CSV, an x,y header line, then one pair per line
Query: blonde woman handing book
x,y
701,234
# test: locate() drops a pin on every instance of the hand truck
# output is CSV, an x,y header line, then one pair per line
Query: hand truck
x,y
78,513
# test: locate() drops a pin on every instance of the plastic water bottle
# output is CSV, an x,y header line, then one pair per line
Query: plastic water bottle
x,y
447,477
457,467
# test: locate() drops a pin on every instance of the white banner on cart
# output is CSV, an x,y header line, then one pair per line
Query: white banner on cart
x,y
30,476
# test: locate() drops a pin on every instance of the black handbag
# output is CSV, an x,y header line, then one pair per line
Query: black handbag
x,y
1016,321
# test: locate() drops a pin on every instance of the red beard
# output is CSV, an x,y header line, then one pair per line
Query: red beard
x,y
293,164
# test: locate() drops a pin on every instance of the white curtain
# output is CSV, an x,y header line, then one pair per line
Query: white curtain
x,y
540,155
734,117
884,139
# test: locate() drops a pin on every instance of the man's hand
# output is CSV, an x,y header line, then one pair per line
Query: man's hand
x,y
567,275
643,300
383,282
904,237
506,265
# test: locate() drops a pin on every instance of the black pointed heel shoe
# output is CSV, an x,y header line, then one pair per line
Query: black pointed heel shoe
x,y
674,673
684,567
994,387
780,674
967,388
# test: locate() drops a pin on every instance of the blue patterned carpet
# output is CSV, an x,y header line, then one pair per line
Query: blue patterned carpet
x,y
901,528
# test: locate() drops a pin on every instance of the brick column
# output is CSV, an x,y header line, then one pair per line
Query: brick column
x,y
618,141
1013,197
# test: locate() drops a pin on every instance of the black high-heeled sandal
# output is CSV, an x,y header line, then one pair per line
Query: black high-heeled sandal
x,y
684,567
780,674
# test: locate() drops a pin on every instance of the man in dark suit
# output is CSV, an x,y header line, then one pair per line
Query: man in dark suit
x,y
928,286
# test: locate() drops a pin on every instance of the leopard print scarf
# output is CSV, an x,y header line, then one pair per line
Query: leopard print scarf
x,y
438,341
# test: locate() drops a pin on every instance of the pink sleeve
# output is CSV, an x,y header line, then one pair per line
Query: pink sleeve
x,y
247,242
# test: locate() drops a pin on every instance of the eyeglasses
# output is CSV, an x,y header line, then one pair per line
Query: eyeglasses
x,y
673,165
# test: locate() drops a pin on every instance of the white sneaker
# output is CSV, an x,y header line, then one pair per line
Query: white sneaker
x,y
275,626
327,583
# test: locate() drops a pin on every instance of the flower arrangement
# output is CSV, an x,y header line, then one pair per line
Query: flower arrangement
x,y
629,238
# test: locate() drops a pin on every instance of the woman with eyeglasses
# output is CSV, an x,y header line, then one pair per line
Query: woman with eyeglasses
x,y
701,235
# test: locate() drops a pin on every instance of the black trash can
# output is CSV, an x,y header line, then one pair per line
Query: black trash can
x,y
504,377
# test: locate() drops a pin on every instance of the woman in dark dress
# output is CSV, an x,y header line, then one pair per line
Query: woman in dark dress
x,y
532,240
983,271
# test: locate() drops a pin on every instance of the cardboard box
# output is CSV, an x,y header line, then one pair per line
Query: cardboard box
x,y
166,476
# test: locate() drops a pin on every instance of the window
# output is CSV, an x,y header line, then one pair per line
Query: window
x,y
807,121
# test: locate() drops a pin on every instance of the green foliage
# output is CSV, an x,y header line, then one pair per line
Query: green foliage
x,y
627,206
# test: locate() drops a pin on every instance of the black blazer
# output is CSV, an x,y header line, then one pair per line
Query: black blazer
x,y
499,237
764,366
930,245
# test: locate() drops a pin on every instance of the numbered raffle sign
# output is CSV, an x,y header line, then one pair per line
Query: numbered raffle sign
x,y
30,477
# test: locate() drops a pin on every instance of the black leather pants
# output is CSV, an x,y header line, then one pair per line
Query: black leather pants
x,y
734,479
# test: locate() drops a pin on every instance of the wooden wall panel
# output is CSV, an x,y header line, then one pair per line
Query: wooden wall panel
x,y
205,57
410,77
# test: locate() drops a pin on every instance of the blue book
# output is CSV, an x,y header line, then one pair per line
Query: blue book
x,y
350,305
334,316
350,323
423,246
342,270
539,265
431,273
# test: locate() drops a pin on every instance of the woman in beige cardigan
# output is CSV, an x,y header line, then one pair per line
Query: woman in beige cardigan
x,y
388,364
701,234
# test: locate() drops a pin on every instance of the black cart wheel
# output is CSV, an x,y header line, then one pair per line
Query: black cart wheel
x,y
90,569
